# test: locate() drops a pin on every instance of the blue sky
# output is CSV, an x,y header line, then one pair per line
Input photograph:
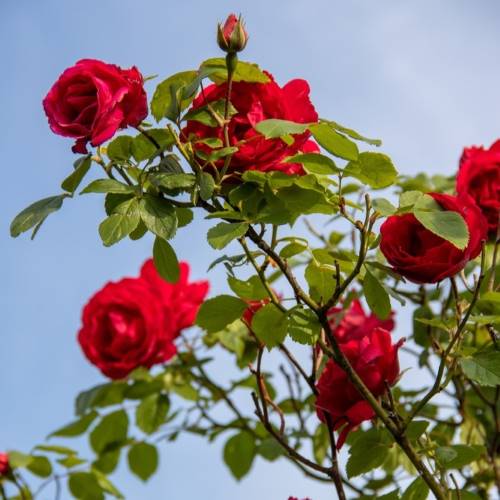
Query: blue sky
x,y
421,75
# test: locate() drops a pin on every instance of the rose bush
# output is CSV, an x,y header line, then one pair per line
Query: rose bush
x,y
424,257
92,100
479,177
315,363
135,321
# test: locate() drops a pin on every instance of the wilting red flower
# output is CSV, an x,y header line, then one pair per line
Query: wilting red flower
x,y
92,100
354,322
4,464
232,36
255,102
423,257
375,360
135,321
479,177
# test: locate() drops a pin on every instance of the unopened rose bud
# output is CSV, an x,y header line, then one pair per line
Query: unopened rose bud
x,y
4,464
232,36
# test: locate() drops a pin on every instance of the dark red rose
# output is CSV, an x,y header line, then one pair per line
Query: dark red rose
x,y
255,102
353,323
479,177
92,100
4,464
232,36
135,321
423,257
375,360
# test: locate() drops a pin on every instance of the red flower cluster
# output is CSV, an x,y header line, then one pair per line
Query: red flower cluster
x,y
4,464
135,321
368,347
423,257
255,102
479,177
91,100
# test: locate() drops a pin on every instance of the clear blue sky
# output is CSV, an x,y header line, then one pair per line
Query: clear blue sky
x,y
422,75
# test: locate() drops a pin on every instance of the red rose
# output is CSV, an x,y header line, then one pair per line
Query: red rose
x,y
91,100
4,464
479,177
354,323
232,37
135,321
255,102
375,360
423,257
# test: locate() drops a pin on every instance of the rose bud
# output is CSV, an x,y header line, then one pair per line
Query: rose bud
x,y
92,100
354,323
423,257
232,36
479,177
253,103
135,321
375,360
4,464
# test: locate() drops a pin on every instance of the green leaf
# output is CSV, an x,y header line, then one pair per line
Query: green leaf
x,y
60,450
184,216
107,485
166,102
239,452
274,128
483,368
304,326
333,142
376,296
448,225
384,207
223,233
150,414
321,281
220,311
416,428
40,466
35,214
77,427
369,451
374,169
143,148
458,455
418,490
321,443
353,134
165,260
107,462
159,216
173,181
118,225
111,430
82,166
270,325
101,395
107,186
143,460
315,163
216,70
84,486
270,449
207,186
120,149
18,459
251,289
293,248
70,461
